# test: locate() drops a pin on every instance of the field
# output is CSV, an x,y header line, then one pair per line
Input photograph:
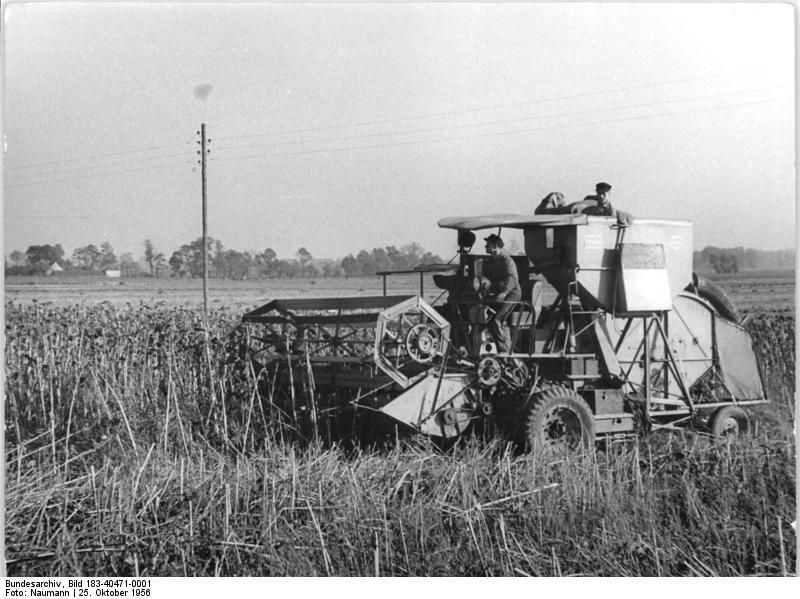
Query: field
x,y
135,445
755,291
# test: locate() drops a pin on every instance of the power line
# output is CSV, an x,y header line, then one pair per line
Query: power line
x,y
49,216
495,107
499,122
397,144
373,135
365,123
94,166
109,154
496,133
99,175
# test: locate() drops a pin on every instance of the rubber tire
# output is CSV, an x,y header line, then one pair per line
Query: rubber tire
x,y
567,404
729,422
716,297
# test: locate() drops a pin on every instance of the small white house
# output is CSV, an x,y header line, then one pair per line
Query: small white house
x,y
113,274
55,268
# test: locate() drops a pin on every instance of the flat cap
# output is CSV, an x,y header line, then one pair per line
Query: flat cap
x,y
600,187
495,239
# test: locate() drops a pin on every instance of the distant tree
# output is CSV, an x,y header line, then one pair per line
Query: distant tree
x,y
160,263
330,268
350,266
188,259
108,259
18,259
128,265
287,268
152,256
396,258
87,257
265,263
380,260
217,266
366,266
305,258
236,264
413,253
729,264
180,263
722,260
430,258
388,258
41,257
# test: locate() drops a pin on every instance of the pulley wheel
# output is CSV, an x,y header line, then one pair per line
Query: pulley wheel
x,y
489,371
450,416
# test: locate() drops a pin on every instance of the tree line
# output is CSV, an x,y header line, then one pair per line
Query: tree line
x,y
187,261
732,260
222,262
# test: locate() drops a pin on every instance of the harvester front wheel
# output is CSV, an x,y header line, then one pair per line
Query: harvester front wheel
x,y
558,419
729,422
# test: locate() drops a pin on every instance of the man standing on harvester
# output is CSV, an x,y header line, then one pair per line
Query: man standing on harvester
x,y
596,205
503,278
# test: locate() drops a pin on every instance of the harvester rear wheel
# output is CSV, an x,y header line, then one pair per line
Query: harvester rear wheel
x,y
729,422
558,419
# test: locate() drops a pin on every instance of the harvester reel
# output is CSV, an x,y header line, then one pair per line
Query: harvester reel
x,y
422,343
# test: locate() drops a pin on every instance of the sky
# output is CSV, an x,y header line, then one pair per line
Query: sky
x,y
339,127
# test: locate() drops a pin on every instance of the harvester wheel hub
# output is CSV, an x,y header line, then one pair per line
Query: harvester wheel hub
x,y
729,422
562,425
422,343
729,427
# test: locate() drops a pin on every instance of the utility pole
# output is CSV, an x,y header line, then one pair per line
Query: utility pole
x,y
203,153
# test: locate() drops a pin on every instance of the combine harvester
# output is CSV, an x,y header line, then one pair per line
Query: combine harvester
x,y
633,342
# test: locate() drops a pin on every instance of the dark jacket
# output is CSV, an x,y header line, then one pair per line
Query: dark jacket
x,y
596,209
502,272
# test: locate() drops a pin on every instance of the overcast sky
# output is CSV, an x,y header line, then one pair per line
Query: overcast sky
x,y
348,126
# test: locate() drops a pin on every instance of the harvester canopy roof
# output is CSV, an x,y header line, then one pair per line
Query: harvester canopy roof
x,y
511,221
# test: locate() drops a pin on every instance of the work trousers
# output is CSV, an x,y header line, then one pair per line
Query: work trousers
x,y
497,324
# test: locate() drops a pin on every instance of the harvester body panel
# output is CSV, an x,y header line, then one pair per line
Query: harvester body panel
x,y
435,405
737,361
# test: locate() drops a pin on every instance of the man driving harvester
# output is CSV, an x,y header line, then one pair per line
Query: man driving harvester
x,y
503,289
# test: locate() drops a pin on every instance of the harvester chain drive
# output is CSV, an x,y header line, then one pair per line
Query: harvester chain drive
x,y
493,369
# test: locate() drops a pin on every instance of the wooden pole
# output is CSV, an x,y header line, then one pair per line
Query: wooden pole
x,y
205,223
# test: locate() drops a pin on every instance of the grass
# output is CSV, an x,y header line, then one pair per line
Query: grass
x,y
687,507
131,449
